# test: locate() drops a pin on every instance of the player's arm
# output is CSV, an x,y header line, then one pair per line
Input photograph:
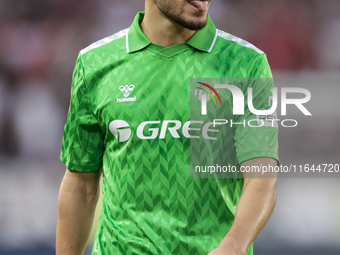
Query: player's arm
x,y
78,197
255,206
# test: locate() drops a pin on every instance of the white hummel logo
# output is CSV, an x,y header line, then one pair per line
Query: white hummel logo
x,y
126,89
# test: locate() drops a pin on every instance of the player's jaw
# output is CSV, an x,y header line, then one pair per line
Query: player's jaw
x,y
191,14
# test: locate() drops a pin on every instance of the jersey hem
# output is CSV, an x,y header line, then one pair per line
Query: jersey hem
x,y
78,167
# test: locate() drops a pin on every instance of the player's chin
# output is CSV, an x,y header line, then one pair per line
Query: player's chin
x,y
196,23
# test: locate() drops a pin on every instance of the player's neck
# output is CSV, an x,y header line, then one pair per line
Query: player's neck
x,y
160,30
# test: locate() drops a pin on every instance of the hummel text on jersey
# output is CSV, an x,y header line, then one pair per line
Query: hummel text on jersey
x,y
126,92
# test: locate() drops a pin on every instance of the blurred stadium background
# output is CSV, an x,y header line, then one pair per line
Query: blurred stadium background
x,y
40,40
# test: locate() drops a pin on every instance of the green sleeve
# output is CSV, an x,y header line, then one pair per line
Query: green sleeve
x,y
83,141
262,140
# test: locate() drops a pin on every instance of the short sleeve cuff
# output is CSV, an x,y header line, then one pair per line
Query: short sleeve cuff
x,y
80,167
258,154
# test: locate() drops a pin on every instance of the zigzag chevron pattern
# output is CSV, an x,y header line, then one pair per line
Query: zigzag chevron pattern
x,y
151,205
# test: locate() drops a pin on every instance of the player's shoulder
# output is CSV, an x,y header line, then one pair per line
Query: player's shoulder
x,y
115,42
236,44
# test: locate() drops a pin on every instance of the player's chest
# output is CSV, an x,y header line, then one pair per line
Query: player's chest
x,y
138,93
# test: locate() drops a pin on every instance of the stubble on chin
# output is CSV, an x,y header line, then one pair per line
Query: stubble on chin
x,y
175,13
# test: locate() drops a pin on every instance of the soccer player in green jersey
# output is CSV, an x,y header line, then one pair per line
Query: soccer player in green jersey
x,y
129,121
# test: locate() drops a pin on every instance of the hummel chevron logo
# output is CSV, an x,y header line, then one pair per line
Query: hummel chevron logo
x,y
126,92
126,89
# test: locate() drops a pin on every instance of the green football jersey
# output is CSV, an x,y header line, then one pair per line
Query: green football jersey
x,y
129,115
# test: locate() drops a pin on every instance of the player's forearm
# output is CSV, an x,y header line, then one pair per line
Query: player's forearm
x,y
254,208
253,212
76,209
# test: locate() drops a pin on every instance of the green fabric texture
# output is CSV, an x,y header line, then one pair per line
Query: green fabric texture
x,y
150,204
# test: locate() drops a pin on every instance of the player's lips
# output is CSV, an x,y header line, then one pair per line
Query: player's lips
x,y
198,5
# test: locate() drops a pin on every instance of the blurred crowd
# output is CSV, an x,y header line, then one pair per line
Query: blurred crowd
x,y
40,40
